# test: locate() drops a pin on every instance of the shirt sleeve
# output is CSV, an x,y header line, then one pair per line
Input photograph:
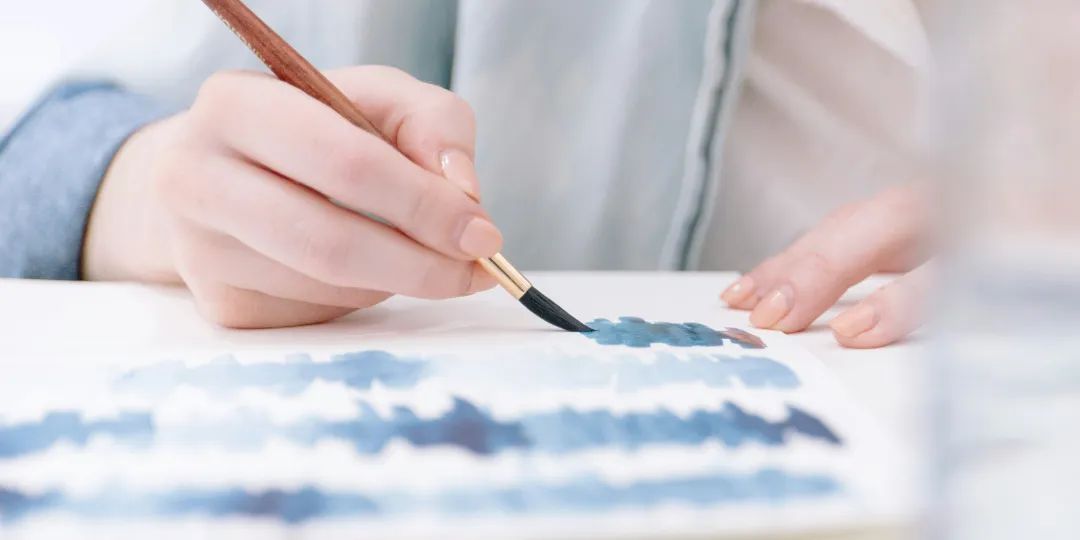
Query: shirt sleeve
x,y
51,163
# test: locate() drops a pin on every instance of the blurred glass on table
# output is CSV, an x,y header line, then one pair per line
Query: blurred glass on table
x,y
1005,152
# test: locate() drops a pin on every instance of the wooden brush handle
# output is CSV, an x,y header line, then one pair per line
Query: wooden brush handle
x,y
285,62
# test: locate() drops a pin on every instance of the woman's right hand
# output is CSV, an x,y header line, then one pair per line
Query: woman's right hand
x,y
233,198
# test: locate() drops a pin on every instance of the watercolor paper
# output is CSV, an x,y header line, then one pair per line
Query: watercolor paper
x,y
643,428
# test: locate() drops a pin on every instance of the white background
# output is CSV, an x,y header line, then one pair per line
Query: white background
x,y
41,39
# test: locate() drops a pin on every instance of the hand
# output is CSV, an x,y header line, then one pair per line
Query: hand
x,y
235,198
883,234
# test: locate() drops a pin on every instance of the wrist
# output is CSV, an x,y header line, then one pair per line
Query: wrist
x,y
126,235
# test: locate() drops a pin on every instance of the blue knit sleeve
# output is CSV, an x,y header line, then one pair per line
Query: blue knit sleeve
x,y
51,164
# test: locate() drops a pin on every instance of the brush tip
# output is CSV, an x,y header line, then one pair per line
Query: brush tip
x,y
546,309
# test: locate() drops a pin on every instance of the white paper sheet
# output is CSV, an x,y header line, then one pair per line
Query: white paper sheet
x,y
465,419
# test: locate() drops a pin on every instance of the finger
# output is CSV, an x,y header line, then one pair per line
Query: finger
x,y
845,255
434,127
237,308
746,293
232,263
302,230
887,315
280,128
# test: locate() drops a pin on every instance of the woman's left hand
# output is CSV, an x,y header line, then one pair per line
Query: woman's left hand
x,y
884,234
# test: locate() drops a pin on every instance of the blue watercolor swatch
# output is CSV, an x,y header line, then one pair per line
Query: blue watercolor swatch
x,y
624,372
534,371
639,333
582,495
135,429
225,376
465,426
714,370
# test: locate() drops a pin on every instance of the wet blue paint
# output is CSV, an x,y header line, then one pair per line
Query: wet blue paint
x,y
225,375
135,429
586,494
465,426
639,333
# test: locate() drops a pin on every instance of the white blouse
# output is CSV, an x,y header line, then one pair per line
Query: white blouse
x,y
827,109
586,111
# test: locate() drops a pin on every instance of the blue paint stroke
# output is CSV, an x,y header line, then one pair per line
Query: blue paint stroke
x,y
639,333
587,494
225,376
628,373
531,371
135,429
465,426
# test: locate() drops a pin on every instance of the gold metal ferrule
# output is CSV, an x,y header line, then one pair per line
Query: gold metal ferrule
x,y
507,276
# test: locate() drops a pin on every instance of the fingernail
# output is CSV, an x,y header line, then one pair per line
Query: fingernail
x,y
459,169
480,238
855,321
774,307
738,291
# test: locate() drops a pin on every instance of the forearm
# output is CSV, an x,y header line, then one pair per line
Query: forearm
x,y
51,166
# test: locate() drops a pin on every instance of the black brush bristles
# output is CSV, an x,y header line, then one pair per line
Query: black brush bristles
x,y
544,308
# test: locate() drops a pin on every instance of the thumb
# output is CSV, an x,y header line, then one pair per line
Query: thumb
x,y
888,315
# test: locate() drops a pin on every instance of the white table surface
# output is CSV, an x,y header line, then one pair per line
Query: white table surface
x,y
60,318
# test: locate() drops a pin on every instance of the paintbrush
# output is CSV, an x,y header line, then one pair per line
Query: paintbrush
x,y
290,67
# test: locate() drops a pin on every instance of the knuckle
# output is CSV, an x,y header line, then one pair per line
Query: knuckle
x,y
216,96
432,278
442,108
325,252
383,71
892,296
462,277
423,205
819,265
768,268
817,279
352,160
457,107
354,80
405,129
456,111
174,185
348,162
